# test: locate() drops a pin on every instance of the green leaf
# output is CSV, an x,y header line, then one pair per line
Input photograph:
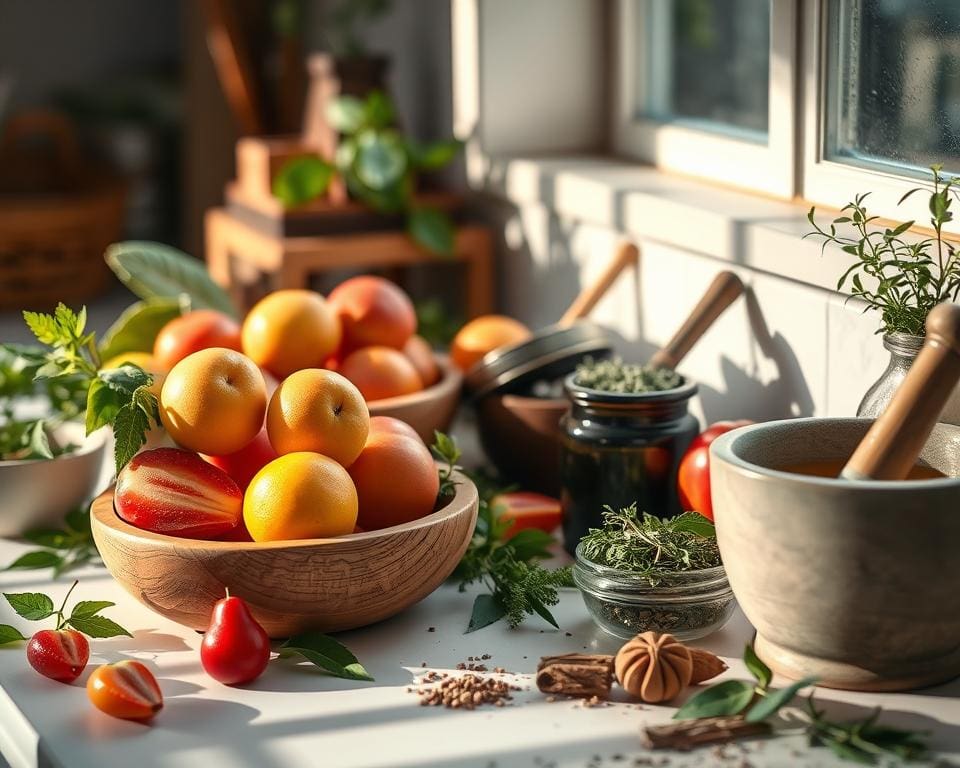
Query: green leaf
x,y
97,626
87,608
770,703
380,161
432,230
153,270
544,613
103,402
694,522
730,697
530,544
378,111
43,326
328,654
48,537
10,634
34,560
431,157
39,442
301,180
130,429
346,114
33,606
78,520
138,325
757,668
487,610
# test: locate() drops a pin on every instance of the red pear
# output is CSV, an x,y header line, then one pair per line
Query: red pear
x,y
235,649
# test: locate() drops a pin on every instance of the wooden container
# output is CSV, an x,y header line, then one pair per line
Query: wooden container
x,y
290,586
853,581
56,216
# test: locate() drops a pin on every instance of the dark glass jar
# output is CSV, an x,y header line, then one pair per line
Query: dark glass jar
x,y
619,449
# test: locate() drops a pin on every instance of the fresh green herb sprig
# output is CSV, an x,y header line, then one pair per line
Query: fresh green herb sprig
x,y
901,280
63,549
650,547
518,586
119,397
85,616
614,375
862,741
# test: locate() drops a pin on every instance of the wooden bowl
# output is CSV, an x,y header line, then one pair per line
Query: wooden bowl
x,y
290,586
430,410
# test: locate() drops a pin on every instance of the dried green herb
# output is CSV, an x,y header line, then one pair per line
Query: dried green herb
x,y
900,279
614,375
650,547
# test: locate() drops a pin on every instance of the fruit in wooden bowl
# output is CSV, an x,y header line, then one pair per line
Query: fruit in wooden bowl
x,y
429,410
326,584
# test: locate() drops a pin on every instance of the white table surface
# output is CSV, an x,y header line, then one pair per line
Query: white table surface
x,y
294,716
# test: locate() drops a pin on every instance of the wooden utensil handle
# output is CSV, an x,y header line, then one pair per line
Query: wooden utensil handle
x,y
627,254
723,291
890,448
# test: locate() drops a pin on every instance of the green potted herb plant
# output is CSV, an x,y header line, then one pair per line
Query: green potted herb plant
x,y
897,275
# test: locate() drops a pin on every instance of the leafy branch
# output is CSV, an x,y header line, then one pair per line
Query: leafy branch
x,y
85,616
517,585
63,549
862,741
901,279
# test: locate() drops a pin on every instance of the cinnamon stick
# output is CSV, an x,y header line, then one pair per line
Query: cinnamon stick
x,y
576,674
688,734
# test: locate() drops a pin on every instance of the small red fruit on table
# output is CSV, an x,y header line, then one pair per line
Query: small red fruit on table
x,y
125,689
528,510
235,649
60,654
693,477
172,491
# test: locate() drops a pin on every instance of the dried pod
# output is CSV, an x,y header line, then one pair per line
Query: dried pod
x,y
654,667
706,666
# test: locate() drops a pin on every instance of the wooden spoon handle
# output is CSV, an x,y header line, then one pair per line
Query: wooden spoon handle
x,y
723,291
890,448
627,254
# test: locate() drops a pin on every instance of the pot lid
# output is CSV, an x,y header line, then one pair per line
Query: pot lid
x,y
549,354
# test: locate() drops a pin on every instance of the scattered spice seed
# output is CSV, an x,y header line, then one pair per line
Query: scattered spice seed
x,y
467,692
431,629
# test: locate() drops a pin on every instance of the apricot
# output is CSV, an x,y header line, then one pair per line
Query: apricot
x,y
483,335
373,312
381,372
189,333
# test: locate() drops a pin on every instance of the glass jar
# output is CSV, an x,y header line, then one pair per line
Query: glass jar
x,y
903,348
620,448
687,604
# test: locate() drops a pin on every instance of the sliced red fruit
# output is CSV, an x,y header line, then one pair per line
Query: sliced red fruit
x,y
173,491
528,510
125,689
60,654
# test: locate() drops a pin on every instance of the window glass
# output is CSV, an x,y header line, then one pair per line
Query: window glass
x,y
706,62
893,92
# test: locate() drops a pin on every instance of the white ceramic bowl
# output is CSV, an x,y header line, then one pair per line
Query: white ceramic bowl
x,y
38,493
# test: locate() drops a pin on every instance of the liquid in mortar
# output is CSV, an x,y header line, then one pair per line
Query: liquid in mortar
x,y
833,467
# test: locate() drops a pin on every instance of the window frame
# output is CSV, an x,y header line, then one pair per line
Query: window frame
x,y
828,182
684,148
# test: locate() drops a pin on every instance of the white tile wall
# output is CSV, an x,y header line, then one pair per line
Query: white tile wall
x,y
786,349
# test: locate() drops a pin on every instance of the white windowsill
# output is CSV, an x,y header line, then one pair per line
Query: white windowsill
x,y
647,204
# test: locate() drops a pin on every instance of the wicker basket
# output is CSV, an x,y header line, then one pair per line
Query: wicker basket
x,y
56,217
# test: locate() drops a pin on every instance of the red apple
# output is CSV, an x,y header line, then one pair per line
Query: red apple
x,y
189,333
242,465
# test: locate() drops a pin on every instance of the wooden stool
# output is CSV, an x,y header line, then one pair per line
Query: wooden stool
x,y
240,254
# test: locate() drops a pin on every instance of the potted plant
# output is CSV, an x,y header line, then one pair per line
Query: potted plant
x,y
901,277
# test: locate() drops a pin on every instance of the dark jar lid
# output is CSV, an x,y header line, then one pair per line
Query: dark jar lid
x,y
549,354
580,395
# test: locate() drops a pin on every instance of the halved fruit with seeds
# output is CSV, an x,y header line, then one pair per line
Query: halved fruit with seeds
x,y
125,689
172,491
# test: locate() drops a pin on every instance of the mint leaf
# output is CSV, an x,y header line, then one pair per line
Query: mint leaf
x,y
87,608
487,610
130,427
33,606
770,703
730,697
34,560
10,634
39,442
758,669
97,626
326,653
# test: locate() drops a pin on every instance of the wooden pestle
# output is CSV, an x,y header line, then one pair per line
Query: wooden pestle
x,y
890,448
722,292
626,255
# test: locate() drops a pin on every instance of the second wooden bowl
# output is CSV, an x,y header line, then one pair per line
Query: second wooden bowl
x,y
290,586
429,410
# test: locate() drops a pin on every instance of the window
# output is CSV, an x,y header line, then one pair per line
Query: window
x,y
721,88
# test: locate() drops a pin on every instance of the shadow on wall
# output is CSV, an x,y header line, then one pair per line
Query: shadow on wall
x,y
787,396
